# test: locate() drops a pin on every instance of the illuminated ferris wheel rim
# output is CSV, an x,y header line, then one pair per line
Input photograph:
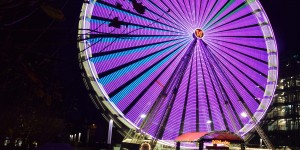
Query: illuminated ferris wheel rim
x,y
262,19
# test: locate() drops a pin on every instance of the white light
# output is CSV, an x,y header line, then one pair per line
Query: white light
x,y
209,121
282,121
79,136
143,115
243,114
111,122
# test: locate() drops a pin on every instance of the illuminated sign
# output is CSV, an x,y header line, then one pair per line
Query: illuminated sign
x,y
199,33
221,142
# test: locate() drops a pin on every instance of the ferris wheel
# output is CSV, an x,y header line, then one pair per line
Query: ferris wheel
x,y
184,65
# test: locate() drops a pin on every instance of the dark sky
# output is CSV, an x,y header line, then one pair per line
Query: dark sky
x,y
284,16
49,47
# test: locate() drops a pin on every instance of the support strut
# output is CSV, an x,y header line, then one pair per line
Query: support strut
x,y
167,95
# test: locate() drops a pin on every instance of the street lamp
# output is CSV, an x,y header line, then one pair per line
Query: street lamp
x,y
142,116
208,122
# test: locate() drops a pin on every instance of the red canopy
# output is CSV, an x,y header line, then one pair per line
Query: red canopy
x,y
215,135
190,137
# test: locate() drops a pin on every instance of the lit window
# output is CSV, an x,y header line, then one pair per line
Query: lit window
x,y
297,82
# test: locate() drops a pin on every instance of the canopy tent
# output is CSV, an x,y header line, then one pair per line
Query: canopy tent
x,y
190,137
209,136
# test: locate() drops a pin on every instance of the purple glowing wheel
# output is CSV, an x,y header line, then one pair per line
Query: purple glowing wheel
x,y
131,49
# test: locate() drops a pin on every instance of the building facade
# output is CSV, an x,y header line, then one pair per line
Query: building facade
x,y
282,122
283,118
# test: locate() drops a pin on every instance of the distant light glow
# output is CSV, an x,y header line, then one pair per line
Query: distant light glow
x,y
143,115
244,114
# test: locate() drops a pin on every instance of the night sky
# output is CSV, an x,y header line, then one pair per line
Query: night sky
x,y
40,69
285,20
